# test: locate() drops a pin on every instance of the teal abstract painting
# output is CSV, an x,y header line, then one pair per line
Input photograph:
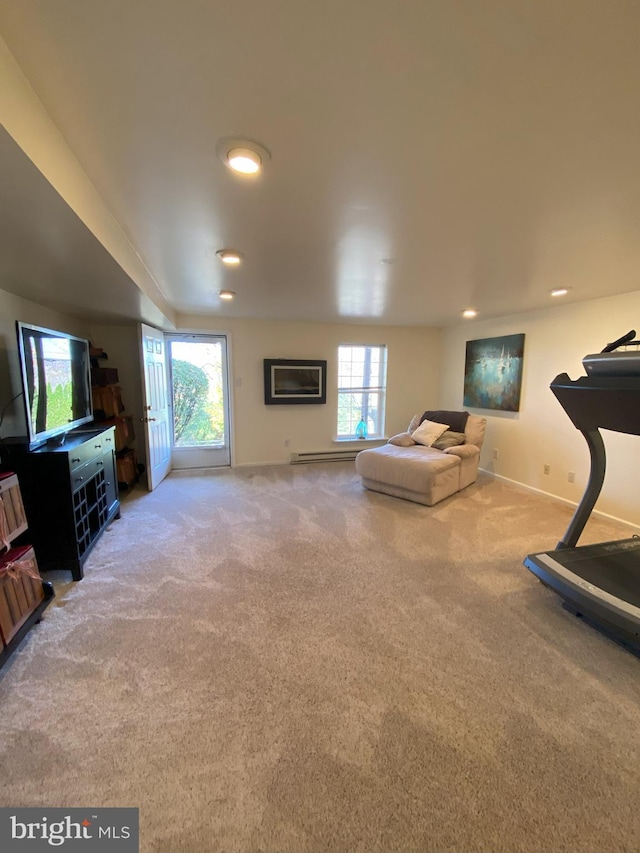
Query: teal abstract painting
x,y
493,373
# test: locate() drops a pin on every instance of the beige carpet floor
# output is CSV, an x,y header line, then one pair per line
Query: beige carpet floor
x,y
274,659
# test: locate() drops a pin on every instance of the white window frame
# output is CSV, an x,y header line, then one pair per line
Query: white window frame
x,y
371,385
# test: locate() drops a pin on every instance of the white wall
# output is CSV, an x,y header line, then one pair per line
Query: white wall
x,y
425,370
260,431
14,308
541,433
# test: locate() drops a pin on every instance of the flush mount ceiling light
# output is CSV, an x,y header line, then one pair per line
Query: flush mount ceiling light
x,y
560,291
229,256
226,294
242,156
468,313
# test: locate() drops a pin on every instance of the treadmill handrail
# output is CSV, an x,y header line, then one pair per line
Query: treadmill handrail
x,y
625,339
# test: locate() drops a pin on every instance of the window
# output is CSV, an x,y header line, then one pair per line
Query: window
x,y
362,376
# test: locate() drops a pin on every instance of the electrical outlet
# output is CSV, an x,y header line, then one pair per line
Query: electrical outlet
x,y
547,469
495,453
571,476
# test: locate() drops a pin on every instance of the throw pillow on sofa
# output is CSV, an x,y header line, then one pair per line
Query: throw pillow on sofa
x,y
402,439
457,420
414,423
428,432
449,439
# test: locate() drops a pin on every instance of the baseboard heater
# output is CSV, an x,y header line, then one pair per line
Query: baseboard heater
x,y
324,456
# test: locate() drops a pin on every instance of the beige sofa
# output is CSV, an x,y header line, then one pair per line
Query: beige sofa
x,y
423,474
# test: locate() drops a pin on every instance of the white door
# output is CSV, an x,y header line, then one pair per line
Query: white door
x,y
199,400
157,432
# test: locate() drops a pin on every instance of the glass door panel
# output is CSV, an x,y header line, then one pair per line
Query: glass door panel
x,y
200,404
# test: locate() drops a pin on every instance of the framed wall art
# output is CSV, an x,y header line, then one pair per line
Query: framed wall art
x,y
493,373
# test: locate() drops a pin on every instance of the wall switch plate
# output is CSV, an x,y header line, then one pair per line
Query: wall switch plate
x,y
547,469
495,453
571,476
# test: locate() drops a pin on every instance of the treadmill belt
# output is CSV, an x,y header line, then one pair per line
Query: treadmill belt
x,y
611,566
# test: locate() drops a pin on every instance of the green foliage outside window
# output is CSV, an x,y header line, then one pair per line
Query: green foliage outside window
x,y
197,418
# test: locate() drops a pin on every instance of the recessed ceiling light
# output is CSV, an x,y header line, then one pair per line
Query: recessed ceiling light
x,y
244,160
226,294
468,313
242,156
560,291
229,256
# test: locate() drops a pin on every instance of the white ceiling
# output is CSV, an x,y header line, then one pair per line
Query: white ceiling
x,y
489,147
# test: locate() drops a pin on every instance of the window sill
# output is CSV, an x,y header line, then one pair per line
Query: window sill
x,y
372,438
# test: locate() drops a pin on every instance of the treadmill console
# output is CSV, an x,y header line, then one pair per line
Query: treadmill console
x,y
612,363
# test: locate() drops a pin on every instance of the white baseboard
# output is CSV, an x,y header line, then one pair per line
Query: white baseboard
x,y
565,501
259,464
273,464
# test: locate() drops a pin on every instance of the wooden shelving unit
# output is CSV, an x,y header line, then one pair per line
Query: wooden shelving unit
x,y
23,593
109,410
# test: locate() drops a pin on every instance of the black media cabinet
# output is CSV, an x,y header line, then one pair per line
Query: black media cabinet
x,y
70,494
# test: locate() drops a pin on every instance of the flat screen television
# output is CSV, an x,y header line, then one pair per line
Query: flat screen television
x,y
56,381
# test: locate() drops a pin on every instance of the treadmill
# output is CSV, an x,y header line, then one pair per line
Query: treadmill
x,y
600,583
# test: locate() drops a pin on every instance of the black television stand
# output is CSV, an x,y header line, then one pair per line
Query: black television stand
x,y
70,494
